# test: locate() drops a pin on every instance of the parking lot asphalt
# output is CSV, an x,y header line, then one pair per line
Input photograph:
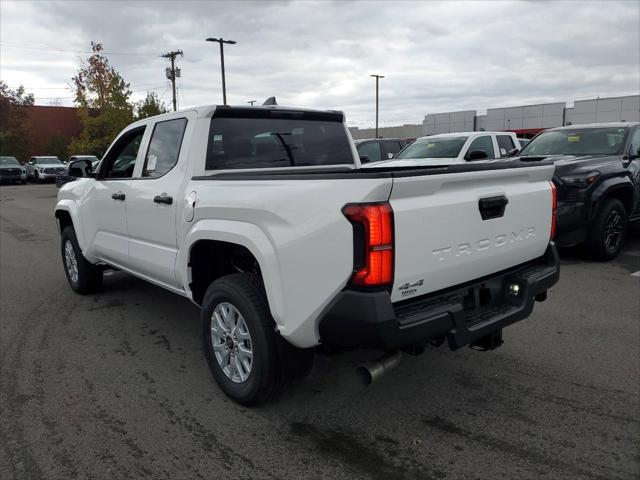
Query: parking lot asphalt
x,y
115,385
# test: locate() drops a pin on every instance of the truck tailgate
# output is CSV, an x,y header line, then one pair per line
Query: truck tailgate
x,y
442,239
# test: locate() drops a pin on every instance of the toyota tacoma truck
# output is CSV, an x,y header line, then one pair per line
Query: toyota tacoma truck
x,y
264,218
598,179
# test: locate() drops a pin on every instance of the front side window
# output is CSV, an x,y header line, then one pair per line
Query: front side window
x,y
505,144
121,158
483,144
164,147
634,147
579,141
438,147
392,148
371,150
272,142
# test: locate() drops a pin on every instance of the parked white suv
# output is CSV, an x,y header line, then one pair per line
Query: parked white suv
x,y
454,148
264,218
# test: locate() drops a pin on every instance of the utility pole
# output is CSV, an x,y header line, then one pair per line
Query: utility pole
x,y
251,102
173,72
222,41
378,77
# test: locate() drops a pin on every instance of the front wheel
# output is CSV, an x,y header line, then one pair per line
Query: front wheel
x,y
608,230
83,276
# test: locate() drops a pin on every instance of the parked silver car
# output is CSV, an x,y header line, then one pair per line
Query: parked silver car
x,y
43,168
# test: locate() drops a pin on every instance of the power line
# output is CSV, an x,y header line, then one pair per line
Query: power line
x,y
57,50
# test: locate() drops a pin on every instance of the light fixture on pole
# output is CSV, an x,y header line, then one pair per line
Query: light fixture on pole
x,y
222,41
377,77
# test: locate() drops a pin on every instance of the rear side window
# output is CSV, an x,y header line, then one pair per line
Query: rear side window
x,y
164,147
505,144
371,150
276,142
484,144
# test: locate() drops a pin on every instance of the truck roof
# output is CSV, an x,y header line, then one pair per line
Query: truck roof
x,y
464,134
204,111
598,125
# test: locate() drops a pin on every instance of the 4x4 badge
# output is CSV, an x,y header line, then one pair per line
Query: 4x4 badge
x,y
408,285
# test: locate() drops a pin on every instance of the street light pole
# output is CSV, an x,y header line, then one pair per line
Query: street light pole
x,y
222,41
378,77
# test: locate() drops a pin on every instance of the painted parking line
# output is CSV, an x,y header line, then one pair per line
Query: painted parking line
x,y
636,274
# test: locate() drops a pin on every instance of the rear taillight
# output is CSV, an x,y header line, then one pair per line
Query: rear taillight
x,y
554,209
373,243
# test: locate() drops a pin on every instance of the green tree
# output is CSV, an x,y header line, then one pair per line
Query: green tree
x,y
58,146
103,98
15,128
150,106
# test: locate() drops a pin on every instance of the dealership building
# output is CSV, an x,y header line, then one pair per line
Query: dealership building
x,y
525,121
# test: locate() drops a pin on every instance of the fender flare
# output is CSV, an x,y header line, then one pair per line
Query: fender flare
x,y
247,235
71,208
602,191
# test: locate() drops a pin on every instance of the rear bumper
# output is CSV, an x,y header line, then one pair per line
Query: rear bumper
x,y
462,314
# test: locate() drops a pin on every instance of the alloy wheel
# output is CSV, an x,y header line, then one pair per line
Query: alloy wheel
x,y
232,344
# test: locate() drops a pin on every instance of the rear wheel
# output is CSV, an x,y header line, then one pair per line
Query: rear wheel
x,y
608,230
83,276
245,353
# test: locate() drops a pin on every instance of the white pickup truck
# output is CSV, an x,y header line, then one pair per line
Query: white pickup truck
x,y
264,218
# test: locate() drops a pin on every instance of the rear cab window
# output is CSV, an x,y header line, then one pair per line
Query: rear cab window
x,y
256,139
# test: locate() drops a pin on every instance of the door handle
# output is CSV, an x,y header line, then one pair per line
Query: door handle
x,y
163,199
118,196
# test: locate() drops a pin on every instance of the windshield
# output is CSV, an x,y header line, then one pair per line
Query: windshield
x,y
9,162
581,141
47,161
437,147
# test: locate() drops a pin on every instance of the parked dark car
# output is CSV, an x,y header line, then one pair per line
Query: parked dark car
x,y
597,178
11,171
375,150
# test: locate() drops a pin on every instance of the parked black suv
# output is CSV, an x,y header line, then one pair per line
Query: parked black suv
x,y
598,182
375,150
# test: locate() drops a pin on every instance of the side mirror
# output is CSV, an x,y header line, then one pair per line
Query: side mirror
x,y
513,152
364,158
80,168
477,155
30,162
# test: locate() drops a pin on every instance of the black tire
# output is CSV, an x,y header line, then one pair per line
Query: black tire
x,y
245,292
608,230
89,276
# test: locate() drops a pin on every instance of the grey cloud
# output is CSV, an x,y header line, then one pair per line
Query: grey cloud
x,y
435,56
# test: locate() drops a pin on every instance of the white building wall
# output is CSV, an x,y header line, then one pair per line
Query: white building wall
x,y
598,110
462,121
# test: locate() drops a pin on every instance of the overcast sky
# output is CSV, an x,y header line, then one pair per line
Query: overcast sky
x,y
436,57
